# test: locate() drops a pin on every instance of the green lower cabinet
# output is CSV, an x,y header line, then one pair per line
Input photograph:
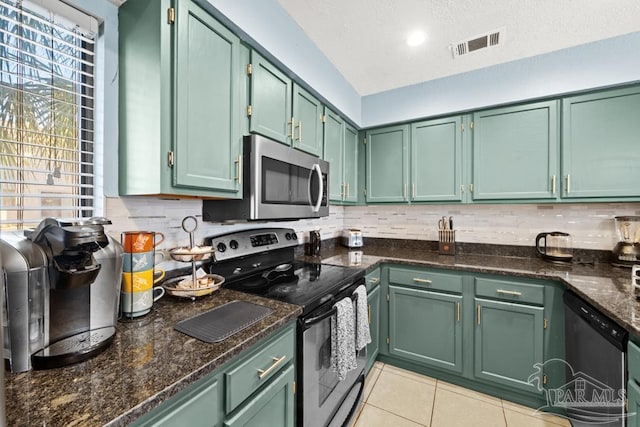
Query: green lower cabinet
x,y
373,300
198,407
508,343
272,406
633,404
426,327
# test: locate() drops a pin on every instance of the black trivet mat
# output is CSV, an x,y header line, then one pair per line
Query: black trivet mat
x,y
220,323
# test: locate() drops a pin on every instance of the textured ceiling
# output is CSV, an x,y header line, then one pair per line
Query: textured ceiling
x,y
365,39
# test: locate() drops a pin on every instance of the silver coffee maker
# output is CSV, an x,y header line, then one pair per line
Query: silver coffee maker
x,y
62,287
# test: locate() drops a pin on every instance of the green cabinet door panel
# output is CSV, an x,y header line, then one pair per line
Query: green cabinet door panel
x,y
198,407
633,404
515,151
350,164
270,101
387,164
436,160
333,153
508,343
207,142
373,300
273,405
426,327
601,144
307,118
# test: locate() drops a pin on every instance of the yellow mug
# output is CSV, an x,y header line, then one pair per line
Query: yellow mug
x,y
139,281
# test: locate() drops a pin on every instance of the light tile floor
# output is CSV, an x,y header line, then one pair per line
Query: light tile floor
x,y
396,397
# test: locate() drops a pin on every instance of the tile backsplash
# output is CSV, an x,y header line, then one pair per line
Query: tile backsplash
x,y
590,224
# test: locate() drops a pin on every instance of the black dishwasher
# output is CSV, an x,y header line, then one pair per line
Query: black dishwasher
x,y
596,373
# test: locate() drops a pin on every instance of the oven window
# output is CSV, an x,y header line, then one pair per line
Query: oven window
x,y
328,380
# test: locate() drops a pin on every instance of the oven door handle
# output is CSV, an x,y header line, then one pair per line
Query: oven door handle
x,y
316,168
317,319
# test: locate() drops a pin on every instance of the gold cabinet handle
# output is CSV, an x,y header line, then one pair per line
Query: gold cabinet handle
x,y
238,161
299,127
342,189
347,185
291,123
470,188
458,311
553,184
369,313
404,191
276,362
478,314
513,293
568,183
375,280
462,188
418,280
413,191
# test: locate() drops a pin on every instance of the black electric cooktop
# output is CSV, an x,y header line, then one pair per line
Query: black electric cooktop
x,y
302,283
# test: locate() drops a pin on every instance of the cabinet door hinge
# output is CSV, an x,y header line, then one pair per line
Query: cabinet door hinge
x,y
462,127
249,69
171,16
471,188
387,297
545,324
323,118
388,340
471,125
249,111
294,387
170,159
544,378
364,141
365,191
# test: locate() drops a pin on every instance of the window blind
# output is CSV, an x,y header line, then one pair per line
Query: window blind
x,y
46,113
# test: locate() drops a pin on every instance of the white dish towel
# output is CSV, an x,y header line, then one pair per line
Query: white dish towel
x,y
343,354
363,335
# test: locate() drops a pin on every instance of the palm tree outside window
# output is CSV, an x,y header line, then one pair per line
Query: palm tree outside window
x,y
47,113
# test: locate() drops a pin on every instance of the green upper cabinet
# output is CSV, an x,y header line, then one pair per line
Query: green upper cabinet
x,y
436,160
282,110
270,101
180,87
509,341
333,153
341,151
601,144
515,152
307,111
350,164
387,164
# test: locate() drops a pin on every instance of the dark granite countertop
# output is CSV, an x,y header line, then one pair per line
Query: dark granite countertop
x,y
606,287
147,363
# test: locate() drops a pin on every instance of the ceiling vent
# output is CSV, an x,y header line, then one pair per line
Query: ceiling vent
x,y
480,42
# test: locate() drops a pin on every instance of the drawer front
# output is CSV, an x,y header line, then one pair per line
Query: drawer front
x,y
510,291
426,279
250,375
633,355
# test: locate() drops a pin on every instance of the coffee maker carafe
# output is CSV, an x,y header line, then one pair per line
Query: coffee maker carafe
x,y
626,253
62,292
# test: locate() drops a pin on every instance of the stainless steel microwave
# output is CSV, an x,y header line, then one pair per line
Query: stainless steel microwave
x,y
279,183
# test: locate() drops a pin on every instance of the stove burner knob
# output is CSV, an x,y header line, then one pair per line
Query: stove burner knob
x,y
287,236
294,236
233,244
221,247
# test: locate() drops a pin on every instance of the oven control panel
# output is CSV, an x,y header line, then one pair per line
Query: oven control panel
x,y
252,241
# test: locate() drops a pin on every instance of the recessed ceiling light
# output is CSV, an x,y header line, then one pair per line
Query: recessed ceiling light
x,y
416,38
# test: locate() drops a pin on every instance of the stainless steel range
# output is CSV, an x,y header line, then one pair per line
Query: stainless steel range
x,y
261,262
